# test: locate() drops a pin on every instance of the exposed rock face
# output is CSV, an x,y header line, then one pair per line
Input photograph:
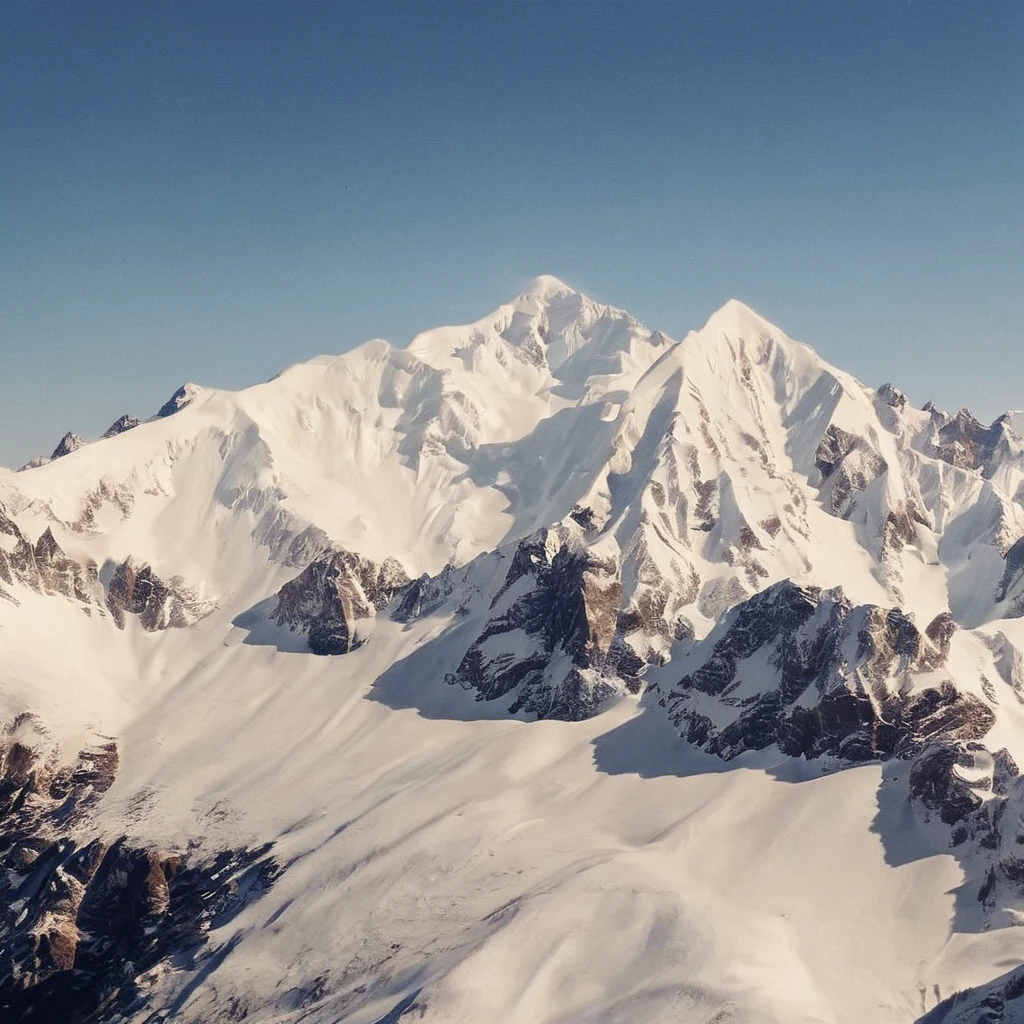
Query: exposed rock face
x,y
68,443
654,607
332,593
552,636
980,795
83,920
847,464
892,396
681,479
424,594
43,566
106,494
71,442
133,589
185,394
803,668
1011,586
949,776
963,441
121,424
160,604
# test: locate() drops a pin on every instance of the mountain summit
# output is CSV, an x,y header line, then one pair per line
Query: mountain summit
x,y
546,669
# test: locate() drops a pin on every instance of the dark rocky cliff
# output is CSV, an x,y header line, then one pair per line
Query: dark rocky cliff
x,y
333,592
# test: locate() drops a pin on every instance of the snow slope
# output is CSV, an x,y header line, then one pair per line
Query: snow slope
x,y
485,810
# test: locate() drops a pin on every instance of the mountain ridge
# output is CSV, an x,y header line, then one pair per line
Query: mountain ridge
x,y
532,615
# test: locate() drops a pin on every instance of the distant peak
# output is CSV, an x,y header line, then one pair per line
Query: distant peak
x,y
892,396
68,443
734,314
546,287
182,397
121,424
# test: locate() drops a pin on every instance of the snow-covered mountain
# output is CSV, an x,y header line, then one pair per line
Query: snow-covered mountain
x,y
545,670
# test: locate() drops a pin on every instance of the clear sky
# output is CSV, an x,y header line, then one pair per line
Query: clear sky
x,y
211,191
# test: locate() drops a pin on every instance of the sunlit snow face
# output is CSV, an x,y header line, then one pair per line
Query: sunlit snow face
x,y
429,621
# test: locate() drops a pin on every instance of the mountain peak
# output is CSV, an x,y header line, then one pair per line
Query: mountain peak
x,y
737,555
68,443
182,397
735,316
547,286
121,424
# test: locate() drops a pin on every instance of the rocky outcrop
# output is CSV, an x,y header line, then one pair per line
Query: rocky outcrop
x,y
106,495
425,594
83,919
334,592
803,668
979,794
808,672
71,442
964,441
950,777
68,443
662,584
182,397
135,589
43,567
552,642
847,464
121,424
1011,587
892,396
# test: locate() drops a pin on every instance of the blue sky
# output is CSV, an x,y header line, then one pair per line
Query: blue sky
x,y
212,191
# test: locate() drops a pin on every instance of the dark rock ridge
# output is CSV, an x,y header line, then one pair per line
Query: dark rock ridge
x,y
332,594
552,641
43,566
136,589
848,464
424,594
82,921
133,588
980,795
1011,586
121,424
948,777
963,441
803,668
68,443
892,396
178,400
71,442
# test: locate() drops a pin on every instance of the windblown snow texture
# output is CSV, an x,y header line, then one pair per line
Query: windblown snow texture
x,y
547,669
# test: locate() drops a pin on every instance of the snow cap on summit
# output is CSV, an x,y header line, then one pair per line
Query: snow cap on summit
x,y
736,316
546,286
182,397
